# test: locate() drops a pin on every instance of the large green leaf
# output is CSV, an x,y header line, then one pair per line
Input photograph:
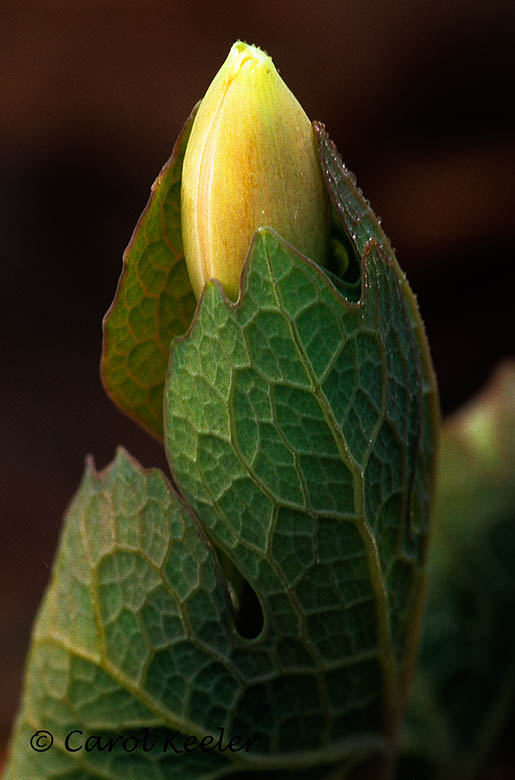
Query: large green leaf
x,y
300,427
465,683
154,301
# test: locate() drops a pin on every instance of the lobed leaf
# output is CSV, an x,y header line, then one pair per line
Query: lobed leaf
x,y
294,422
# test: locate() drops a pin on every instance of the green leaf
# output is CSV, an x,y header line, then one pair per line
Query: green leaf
x,y
465,683
300,427
133,633
154,301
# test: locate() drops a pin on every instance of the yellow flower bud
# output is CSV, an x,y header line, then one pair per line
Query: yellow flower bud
x,y
250,162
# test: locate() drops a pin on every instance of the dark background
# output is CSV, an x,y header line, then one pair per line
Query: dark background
x,y
418,97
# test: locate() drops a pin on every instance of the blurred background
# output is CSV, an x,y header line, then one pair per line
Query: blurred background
x,y
418,97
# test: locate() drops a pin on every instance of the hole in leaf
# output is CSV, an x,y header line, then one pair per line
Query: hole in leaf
x,y
248,614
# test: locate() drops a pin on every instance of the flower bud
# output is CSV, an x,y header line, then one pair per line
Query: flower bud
x,y
250,162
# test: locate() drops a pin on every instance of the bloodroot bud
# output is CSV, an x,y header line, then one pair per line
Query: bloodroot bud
x,y
250,162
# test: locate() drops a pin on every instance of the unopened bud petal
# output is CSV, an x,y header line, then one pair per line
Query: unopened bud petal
x,y
250,162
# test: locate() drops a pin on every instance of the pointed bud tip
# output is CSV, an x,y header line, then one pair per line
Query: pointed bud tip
x,y
246,52
250,162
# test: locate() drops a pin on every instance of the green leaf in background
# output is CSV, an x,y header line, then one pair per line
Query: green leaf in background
x,y
154,301
293,425
465,682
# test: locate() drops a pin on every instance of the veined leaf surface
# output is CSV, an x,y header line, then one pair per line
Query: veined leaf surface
x,y
154,301
300,429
